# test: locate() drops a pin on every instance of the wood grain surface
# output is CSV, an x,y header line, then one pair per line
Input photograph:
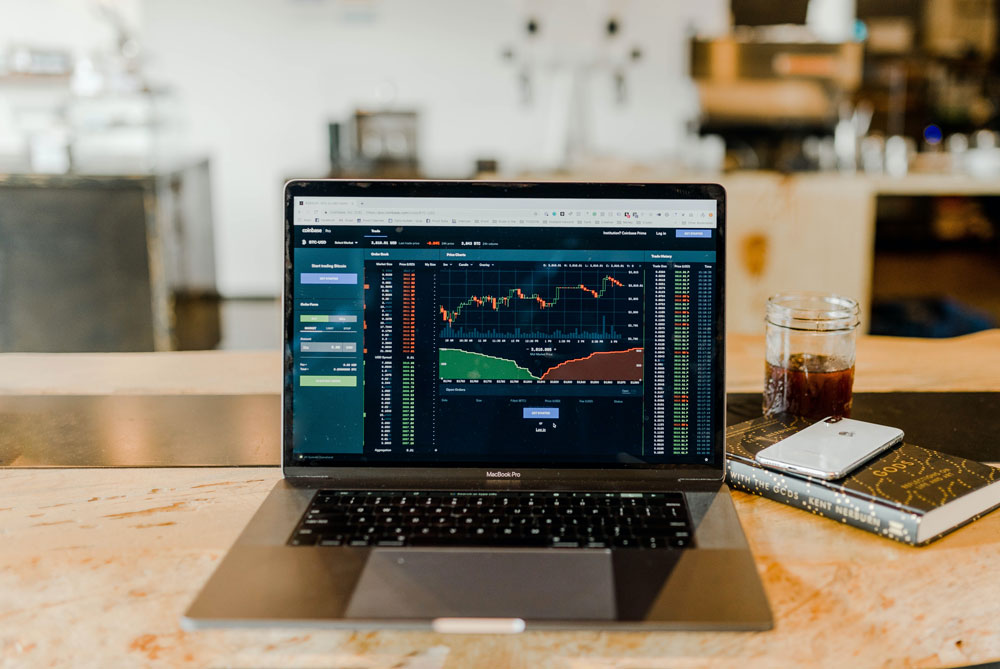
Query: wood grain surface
x,y
97,565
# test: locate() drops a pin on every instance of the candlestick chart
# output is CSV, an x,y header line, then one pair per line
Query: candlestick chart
x,y
541,324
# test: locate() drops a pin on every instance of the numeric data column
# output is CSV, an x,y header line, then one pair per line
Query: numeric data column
x,y
385,357
661,310
409,358
704,317
682,359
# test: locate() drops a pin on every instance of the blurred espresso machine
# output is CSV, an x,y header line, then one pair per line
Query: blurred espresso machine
x,y
783,76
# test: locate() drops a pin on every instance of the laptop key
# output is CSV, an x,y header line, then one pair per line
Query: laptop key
x,y
443,542
522,542
316,521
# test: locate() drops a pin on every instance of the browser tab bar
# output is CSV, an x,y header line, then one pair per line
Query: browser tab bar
x,y
506,212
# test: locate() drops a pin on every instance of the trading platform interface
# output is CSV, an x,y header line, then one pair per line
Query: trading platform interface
x,y
514,331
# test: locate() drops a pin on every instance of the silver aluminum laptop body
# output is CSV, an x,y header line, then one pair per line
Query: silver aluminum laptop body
x,y
357,235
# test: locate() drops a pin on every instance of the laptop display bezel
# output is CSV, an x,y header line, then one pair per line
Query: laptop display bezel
x,y
444,475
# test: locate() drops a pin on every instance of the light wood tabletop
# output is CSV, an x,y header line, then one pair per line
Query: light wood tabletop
x,y
97,565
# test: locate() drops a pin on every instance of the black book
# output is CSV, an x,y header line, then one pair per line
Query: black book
x,y
910,493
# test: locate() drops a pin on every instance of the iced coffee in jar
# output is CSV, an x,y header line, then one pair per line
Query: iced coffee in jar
x,y
809,359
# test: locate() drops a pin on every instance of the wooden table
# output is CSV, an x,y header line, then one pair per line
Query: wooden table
x,y
97,565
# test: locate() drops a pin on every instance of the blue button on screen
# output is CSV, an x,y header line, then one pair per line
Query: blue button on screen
x,y
340,279
541,412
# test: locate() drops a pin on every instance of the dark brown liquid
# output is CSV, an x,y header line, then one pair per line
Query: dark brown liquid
x,y
806,388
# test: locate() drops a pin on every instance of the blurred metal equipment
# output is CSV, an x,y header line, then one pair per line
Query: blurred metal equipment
x,y
139,430
768,12
379,143
745,81
768,90
107,263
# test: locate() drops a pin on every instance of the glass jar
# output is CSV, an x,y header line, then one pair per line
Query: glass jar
x,y
809,359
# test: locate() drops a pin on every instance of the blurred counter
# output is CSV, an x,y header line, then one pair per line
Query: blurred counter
x,y
813,232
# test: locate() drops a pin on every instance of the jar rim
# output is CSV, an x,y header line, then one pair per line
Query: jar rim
x,y
807,310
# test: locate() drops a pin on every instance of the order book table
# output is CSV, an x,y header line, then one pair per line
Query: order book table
x,y
97,565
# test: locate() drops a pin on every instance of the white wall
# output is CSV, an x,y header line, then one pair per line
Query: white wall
x,y
258,81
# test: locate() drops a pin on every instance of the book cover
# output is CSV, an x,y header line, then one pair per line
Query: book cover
x,y
910,493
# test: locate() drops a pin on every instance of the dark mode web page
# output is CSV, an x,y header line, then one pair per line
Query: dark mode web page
x,y
509,331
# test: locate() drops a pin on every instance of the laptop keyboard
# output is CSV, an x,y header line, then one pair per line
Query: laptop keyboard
x,y
503,519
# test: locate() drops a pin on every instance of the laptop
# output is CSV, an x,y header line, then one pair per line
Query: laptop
x,y
503,409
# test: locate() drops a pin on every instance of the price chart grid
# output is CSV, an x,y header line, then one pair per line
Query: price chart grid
x,y
494,303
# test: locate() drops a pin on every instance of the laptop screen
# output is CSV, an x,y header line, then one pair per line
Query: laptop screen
x,y
503,331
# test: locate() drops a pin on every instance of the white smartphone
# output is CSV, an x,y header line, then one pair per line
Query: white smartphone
x,y
831,448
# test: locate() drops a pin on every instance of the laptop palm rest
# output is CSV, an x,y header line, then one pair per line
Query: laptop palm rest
x,y
476,583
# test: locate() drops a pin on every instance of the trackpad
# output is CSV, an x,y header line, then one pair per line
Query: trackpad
x,y
428,583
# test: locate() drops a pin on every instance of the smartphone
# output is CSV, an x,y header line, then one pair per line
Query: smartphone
x,y
831,448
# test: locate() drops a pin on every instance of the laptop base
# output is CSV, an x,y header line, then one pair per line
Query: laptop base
x,y
263,582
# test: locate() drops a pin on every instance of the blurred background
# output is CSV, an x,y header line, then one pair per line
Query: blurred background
x,y
144,144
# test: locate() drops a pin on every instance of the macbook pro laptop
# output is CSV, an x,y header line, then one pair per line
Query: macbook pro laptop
x,y
503,409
